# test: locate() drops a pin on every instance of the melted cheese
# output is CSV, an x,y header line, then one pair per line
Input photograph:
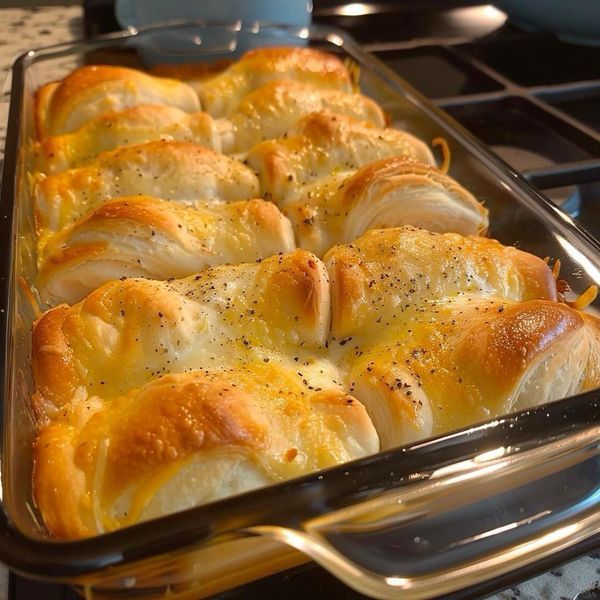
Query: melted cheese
x,y
176,171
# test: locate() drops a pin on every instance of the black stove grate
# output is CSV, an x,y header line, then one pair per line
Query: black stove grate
x,y
531,98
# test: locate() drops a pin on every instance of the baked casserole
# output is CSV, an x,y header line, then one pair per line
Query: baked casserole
x,y
252,277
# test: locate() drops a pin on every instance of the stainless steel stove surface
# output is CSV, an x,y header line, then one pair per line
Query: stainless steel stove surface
x,y
533,99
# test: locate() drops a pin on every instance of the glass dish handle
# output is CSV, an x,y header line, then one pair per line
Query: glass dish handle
x,y
463,523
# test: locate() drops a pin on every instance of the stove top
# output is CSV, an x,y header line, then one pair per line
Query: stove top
x,y
533,99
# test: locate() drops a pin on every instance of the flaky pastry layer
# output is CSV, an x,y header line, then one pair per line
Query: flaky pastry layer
x,y
135,125
220,94
323,144
274,108
386,193
62,107
171,170
141,236
191,438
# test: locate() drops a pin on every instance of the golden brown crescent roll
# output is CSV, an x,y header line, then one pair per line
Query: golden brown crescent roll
x,y
467,362
323,144
222,93
275,107
134,125
64,106
386,193
393,274
440,331
129,332
140,236
165,169
188,439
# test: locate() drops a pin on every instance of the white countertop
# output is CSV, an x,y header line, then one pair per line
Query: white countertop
x,y
22,29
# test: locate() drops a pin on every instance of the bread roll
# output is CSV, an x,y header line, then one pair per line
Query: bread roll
x,y
164,169
440,331
143,123
140,236
64,106
126,333
386,193
222,93
393,274
265,113
323,144
275,107
465,362
191,438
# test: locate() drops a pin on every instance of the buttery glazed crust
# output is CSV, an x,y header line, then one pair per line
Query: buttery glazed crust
x,y
467,362
275,107
388,272
62,107
261,423
386,193
222,93
140,236
323,144
135,125
129,332
170,170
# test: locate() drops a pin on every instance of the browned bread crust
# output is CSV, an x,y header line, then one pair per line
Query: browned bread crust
x,y
62,107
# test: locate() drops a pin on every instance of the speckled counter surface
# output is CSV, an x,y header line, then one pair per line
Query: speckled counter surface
x,y
24,28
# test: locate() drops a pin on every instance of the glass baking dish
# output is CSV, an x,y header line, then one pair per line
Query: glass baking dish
x,y
463,513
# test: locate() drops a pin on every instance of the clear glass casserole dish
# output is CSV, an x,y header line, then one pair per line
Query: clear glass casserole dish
x,y
471,510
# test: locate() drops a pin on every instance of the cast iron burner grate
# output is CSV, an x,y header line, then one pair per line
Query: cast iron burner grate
x,y
532,99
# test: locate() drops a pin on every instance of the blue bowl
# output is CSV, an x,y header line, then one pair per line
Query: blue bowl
x,y
575,21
